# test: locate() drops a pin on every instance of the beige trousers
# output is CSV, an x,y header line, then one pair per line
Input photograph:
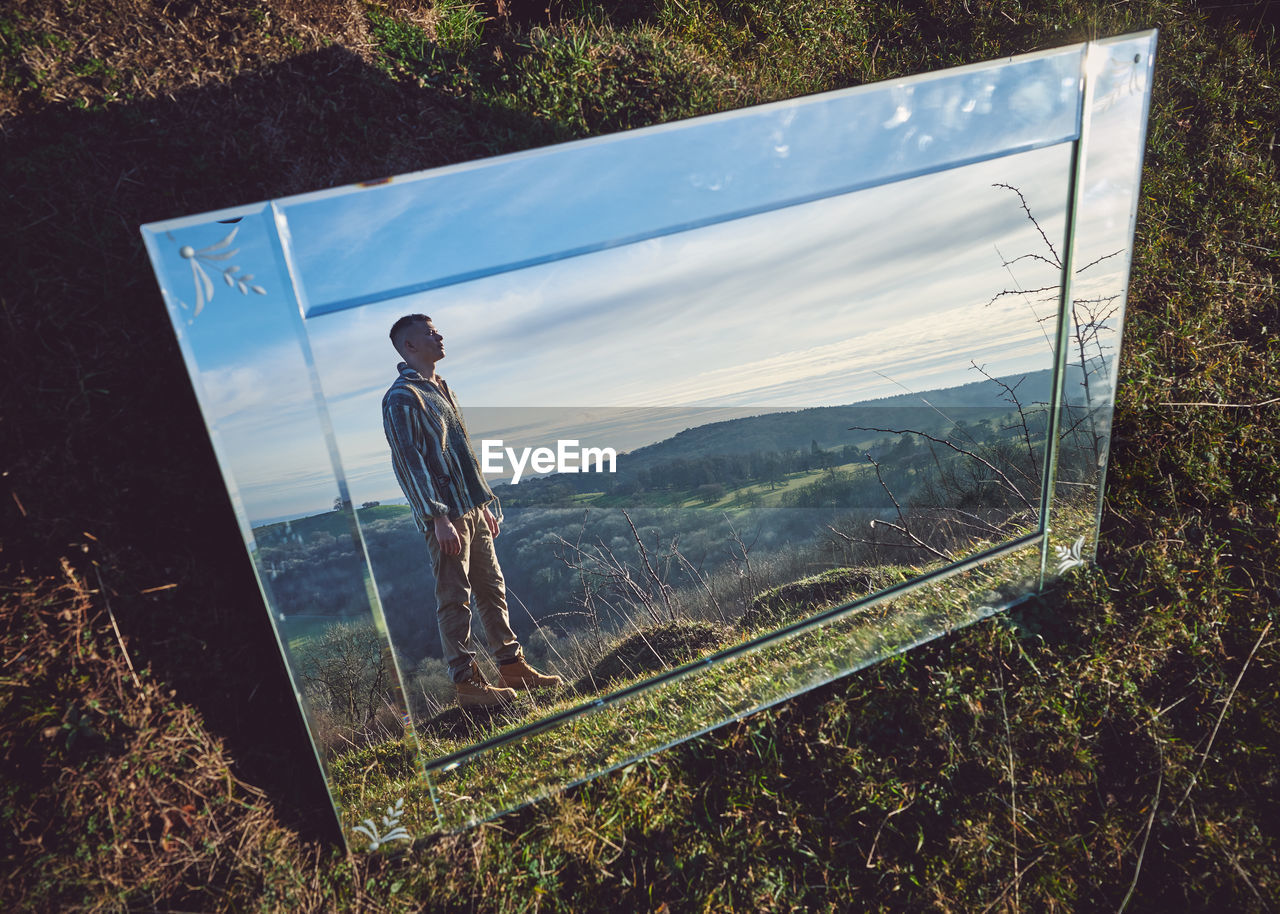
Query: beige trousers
x,y
474,570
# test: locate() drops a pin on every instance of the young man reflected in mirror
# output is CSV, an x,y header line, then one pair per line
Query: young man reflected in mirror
x,y
454,508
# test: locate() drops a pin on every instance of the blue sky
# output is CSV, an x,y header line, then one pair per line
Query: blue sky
x,y
802,306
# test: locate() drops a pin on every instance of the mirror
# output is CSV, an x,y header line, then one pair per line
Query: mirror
x,y
762,397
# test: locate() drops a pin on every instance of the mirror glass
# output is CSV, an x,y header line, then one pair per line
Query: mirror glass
x,y
1116,98
760,398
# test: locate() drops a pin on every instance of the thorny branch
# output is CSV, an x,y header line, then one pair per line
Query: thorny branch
x,y
1057,261
1009,484
903,527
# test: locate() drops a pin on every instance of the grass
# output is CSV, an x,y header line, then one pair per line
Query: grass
x,y
666,713
741,498
1111,747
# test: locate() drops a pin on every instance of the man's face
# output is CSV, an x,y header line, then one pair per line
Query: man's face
x,y
425,340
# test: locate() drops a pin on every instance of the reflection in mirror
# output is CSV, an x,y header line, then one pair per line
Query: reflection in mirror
x,y
473,786
581,197
764,412
839,389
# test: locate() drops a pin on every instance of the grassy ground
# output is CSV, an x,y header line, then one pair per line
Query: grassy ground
x,y
1114,747
742,498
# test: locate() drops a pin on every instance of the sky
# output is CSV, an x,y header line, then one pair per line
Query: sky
x,y
847,297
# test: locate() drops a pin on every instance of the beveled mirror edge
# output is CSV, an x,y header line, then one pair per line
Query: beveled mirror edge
x,y
150,237
1152,38
1080,548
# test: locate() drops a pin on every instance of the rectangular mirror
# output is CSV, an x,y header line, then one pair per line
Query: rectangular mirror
x,y
759,398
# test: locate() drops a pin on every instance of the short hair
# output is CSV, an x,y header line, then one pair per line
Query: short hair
x,y
399,328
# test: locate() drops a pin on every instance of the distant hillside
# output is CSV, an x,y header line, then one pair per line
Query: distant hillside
x,y
334,523
829,425
930,411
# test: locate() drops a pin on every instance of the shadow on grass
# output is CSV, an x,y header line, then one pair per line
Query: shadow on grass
x,y
108,460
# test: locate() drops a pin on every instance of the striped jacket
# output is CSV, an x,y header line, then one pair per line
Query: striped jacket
x,y
430,451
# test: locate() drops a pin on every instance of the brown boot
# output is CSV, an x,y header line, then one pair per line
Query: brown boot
x,y
476,692
519,675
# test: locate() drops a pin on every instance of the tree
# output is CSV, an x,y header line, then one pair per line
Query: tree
x,y
710,492
348,672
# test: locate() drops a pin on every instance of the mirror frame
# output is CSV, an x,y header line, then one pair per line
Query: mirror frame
x,y
1101,111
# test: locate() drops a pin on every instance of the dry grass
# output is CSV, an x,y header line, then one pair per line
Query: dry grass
x,y
114,791
87,55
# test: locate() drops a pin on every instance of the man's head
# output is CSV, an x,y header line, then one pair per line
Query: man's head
x,y
417,340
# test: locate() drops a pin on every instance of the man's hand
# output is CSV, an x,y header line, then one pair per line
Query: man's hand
x,y
447,536
491,521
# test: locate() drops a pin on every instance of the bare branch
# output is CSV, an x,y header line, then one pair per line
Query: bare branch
x,y
1057,261
663,587
903,528
1011,396
1094,263
1000,295
1253,405
982,460
698,576
1039,257
1223,713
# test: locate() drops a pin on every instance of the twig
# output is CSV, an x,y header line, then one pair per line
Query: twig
x,y
871,853
1026,209
116,628
1011,396
903,529
986,463
701,579
538,623
1005,891
1001,294
1235,863
1013,787
1226,704
1040,257
1142,853
1094,263
1039,320
1222,405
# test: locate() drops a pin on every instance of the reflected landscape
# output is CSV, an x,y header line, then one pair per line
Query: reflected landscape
x,y
755,414
760,377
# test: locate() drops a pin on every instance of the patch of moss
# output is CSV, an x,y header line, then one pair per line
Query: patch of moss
x,y
789,602
652,651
